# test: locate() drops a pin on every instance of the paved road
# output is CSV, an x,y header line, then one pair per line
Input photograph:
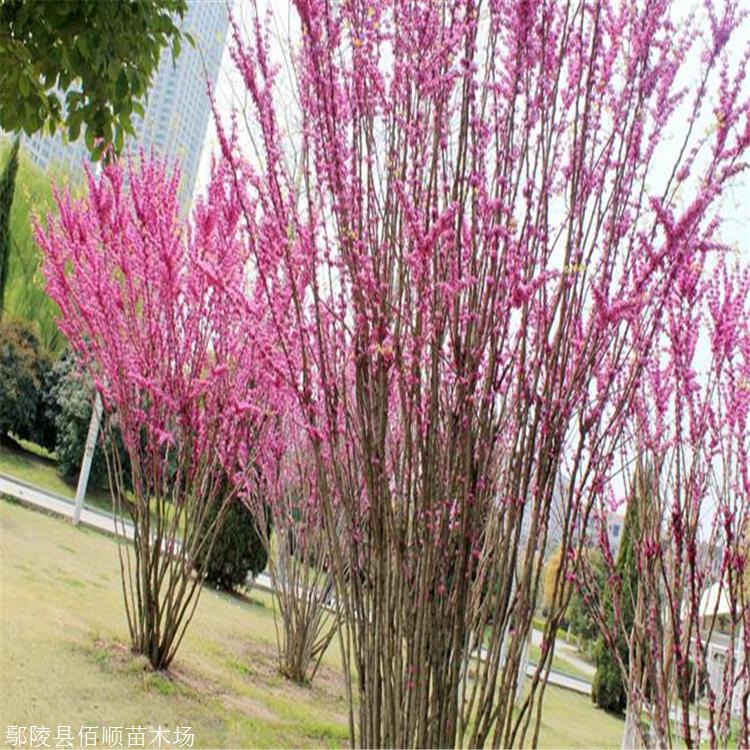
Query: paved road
x,y
103,521
555,678
564,681
97,519
568,652
60,505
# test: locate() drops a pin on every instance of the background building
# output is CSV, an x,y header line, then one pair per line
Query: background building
x,y
614,521
53,151
177,110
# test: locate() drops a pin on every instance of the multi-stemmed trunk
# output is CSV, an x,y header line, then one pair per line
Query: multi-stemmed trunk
x,y
467,268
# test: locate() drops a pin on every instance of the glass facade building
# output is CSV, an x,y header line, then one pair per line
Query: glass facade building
x,y
177,110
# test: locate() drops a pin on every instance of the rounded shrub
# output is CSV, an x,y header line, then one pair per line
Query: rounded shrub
x,y
238,549
45,430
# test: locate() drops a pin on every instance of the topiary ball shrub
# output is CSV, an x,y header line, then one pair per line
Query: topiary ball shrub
x,y
238,549
23,370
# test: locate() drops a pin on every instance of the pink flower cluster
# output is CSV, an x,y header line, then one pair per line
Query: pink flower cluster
x,y
158,310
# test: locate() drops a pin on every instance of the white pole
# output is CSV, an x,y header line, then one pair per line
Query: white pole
x,y
88,457
740,674
523,667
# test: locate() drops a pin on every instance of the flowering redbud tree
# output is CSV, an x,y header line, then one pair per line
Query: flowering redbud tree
x,y
298,561
467,217
156,311
691,495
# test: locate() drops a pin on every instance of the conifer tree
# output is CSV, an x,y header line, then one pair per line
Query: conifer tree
x,y
609,690
7,188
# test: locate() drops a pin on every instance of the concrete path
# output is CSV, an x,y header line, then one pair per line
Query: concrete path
x,y
568,653
564,681
105,522
59,505
97,519
555,678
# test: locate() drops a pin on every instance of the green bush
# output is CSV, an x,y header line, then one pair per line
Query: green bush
x,y
25,296
46,425
237,550
24,368
68,405
607,688
581,622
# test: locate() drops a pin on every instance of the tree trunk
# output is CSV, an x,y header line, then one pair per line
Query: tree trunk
x,y
631,738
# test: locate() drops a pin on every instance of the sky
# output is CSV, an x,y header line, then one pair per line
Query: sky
x,y
230,90
230,93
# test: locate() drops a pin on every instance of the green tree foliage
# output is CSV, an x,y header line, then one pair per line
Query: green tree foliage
x,y
237,550
68,403
84,63
608,689
579,618
550,577
7,188
25,298
23,371
45,428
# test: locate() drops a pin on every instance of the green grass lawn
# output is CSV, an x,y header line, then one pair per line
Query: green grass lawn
x,y
65,661
571,720
559,664
30,463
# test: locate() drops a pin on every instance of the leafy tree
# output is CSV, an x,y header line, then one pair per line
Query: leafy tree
x,y
550,577
23,367
25,298
68,402
45,426
580,617
238,549
7,189
85,63
68,406
608,689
